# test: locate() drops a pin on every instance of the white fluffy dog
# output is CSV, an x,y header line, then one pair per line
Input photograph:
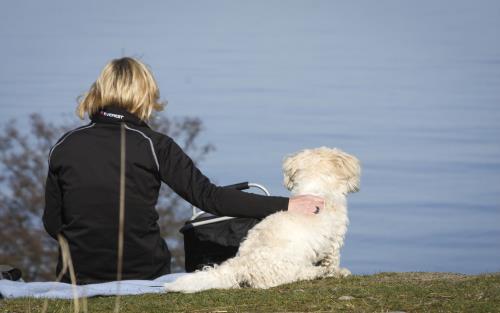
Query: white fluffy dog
x,y
286,246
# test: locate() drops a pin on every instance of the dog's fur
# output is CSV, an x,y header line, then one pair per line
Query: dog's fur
x,y
287,246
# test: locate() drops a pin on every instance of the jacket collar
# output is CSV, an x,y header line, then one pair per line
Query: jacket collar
x,y
116,114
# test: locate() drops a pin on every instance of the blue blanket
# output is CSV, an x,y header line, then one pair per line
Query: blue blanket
x,y
53,290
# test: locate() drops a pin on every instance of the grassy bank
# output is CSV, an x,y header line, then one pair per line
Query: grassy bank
x,y
384,292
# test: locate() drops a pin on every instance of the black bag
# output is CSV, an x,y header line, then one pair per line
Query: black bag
x,y
10,273
213,243
210,240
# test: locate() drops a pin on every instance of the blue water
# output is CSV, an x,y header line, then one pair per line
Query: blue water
x,y
411,89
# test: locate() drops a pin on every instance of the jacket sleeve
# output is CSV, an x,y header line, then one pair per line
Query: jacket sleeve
x,y
52,217
178,171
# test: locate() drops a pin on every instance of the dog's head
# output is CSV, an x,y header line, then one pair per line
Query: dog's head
x,y
321,171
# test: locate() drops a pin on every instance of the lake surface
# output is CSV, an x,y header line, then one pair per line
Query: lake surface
x,y
411,89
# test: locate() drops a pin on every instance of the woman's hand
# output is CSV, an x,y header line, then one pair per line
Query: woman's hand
x,y
306,204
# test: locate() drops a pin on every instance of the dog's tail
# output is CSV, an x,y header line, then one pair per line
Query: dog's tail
x,y
221,277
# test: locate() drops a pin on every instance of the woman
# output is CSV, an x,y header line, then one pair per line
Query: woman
x,y
83,182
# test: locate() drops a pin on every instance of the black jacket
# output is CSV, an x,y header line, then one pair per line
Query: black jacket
x,y
82,196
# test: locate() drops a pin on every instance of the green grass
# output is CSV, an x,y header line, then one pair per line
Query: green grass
x,y
384,292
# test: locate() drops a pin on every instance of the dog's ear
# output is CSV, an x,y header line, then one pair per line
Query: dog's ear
x,y
290,168
348,169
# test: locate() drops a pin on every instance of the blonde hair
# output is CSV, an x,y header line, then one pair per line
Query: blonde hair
x,y
127,83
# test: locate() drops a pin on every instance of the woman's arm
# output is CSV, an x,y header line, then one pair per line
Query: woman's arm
x,y
52,220
179,172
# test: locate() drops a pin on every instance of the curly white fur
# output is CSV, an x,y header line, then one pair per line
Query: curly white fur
x,y
286,246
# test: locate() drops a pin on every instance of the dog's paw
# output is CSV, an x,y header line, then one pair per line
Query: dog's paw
x,y
344,272
176,287
184,284
338,272
172,287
